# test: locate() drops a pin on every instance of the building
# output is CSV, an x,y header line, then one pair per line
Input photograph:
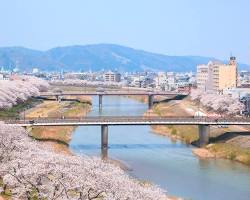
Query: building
x,y
35,70
171,81
217,76
161,80
246,101
166,81
244,79
112,77
202,76
1,76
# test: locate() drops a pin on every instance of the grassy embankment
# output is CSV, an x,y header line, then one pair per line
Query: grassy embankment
x,y
58,136
225,142
14,112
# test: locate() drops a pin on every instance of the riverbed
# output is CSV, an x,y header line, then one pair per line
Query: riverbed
x,y
158,159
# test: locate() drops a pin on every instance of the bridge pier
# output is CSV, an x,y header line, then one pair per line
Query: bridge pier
x,y
104,130
100,101
104,138
150,101
203,134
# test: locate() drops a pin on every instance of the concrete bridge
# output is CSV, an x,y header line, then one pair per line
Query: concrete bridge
x,y
59,95
104,121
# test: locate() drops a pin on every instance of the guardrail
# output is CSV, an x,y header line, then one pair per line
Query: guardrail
x,y
110,93
130,119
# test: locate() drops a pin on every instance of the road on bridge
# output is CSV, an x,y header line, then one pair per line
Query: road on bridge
x,y
128,120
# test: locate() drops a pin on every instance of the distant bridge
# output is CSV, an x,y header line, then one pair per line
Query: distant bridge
x,y
105,121
150,95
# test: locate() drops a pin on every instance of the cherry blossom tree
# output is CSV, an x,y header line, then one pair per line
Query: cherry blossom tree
x,y
31,170
16,91
221,103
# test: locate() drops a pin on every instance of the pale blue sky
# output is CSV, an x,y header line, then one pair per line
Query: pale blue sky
x,y
173,27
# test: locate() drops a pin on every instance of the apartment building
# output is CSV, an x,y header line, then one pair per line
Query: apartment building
x,y
161,80
217,76
112,77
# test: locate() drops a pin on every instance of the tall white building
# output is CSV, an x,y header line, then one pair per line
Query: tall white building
x,y
161,80
171,81
166,81
217,76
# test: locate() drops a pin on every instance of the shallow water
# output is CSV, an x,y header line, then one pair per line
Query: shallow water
x,y
157,159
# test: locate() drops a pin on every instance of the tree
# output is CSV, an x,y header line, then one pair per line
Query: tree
x,y
16,91
220,103
31,170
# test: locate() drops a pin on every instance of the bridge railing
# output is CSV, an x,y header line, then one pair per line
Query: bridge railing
x,y
112,93
126,119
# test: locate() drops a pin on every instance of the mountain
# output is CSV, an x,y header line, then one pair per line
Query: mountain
x,y
98,57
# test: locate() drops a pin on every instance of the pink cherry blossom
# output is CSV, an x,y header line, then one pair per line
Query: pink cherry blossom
x,y
29,168
16,91
221,103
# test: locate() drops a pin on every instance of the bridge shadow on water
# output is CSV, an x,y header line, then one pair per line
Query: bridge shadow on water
x,y
129,146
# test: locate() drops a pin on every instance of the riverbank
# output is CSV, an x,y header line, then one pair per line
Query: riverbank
x,y
16,111
58,137
231,142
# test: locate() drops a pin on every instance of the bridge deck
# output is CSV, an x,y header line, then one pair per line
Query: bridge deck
x,y
135,120
47,94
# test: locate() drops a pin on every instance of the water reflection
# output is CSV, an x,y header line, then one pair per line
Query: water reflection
x,y
204,163
126,146
104,153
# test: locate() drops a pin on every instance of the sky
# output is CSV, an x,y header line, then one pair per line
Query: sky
x,y
215,28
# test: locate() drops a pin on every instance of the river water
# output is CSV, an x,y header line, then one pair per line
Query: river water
x,y
157,159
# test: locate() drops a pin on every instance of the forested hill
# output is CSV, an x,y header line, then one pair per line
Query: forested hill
x,y
98,57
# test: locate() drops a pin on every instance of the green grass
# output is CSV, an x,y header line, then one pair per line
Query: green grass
x,y
188,134
173,131
7,193
231,152
157,110
15,111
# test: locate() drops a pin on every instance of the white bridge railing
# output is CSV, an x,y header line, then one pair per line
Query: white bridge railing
x,y
129,120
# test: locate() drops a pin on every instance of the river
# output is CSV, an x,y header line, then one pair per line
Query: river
x,y
157,159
